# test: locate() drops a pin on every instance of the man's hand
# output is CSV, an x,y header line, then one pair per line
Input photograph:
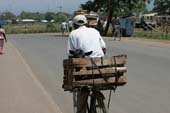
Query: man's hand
x,y
104,50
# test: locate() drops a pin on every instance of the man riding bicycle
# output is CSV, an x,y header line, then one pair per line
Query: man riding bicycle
x,y
85,39
116,28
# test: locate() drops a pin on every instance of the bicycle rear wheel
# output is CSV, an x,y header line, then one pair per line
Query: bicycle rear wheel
x,y
119,36
75,101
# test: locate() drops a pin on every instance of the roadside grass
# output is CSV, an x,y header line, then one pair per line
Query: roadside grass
x,y
140,33
32,28
154,34
55,27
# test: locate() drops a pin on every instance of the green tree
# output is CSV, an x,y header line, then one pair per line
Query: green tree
x,y
113,7
88,6
49,16
32,15
162,6
95,5
59,17
7,15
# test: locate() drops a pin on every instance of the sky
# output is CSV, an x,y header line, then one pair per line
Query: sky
x,y
151,5
17,6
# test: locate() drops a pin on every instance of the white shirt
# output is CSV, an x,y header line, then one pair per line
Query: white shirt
x,y
86,39
64,25
70,23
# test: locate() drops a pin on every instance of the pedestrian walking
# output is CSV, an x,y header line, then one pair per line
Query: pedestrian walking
x,y
70,24
64,27
2,39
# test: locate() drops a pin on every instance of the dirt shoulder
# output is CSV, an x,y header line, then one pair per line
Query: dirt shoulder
x,y
153,42
149,41
20,91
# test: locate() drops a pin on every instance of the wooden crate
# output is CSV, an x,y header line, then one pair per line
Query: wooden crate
x,y
94,71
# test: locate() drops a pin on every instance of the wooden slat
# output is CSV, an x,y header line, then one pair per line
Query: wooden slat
x,y
75,67
86,62
67,63
67,87
100,71
100,81
111,81
68,73
80,62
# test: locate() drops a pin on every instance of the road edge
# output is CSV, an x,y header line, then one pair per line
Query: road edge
x,y
31,73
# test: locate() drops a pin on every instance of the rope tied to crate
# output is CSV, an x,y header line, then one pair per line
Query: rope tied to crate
x,y
94,66
117,75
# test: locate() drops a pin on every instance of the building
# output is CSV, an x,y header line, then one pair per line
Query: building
x,y
3,22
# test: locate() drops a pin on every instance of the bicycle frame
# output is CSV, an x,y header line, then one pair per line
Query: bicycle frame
x,y
96,100
116,32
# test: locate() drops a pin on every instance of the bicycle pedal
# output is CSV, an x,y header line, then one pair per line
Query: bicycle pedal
x,y
99,106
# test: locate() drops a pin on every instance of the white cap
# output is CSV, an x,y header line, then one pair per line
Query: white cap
x,y
80,20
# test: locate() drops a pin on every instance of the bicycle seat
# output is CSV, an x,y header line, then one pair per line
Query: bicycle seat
x,y
79,53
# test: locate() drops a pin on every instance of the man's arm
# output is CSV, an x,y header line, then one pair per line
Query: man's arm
x,y
70,44
104,50
103,45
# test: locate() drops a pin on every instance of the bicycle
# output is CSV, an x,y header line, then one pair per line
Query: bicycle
x,y
86,78
116,33
96,104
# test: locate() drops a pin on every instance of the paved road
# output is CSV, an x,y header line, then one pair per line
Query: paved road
x,y
20,91
148,75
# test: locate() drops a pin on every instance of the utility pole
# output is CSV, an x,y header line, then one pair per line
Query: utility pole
x,y
60,8
60,11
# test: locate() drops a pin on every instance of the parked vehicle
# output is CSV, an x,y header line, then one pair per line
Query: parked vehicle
x,y
150,19
163,19
92,17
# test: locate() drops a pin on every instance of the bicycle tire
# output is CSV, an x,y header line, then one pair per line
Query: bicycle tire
x,y
115,33
119,36
103,107
97,104
75,101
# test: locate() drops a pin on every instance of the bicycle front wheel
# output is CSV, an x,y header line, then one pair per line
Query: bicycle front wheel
x,y
102,106
98,104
